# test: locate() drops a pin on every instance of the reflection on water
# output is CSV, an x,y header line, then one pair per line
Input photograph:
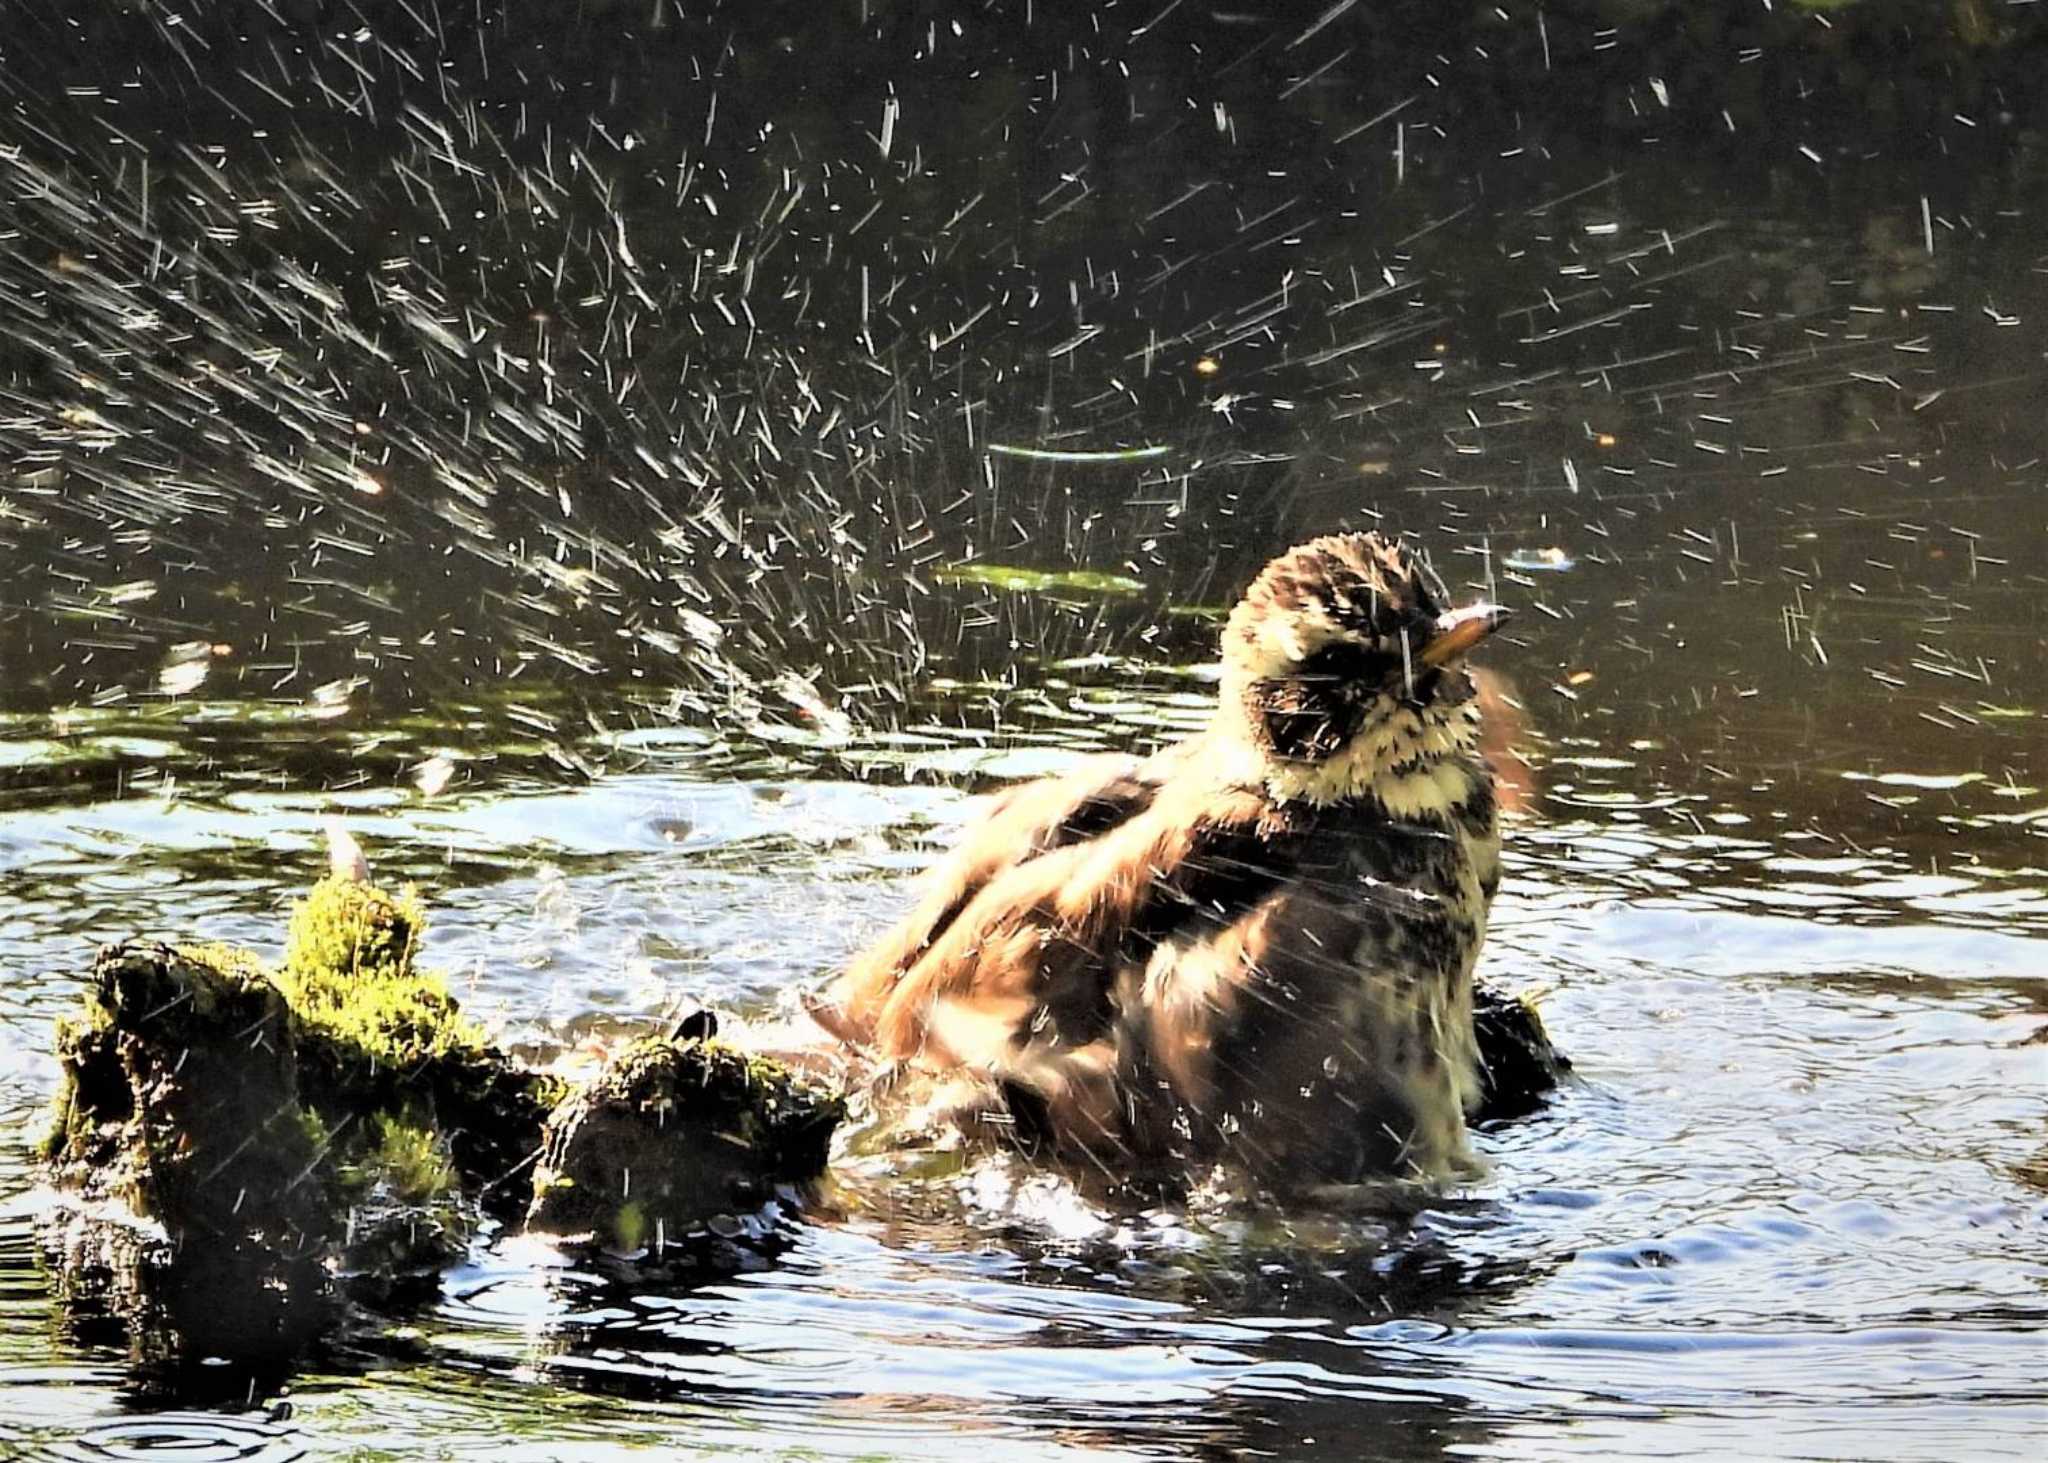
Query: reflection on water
x,y
648,474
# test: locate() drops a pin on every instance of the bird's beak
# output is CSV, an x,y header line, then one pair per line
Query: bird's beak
x,y
1460,630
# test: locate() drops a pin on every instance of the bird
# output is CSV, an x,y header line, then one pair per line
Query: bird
x,y
1254,947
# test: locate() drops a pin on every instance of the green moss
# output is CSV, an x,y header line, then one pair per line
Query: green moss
x,y
345,930
745,1097
319,1135
408,1159
672,1133
238,968
399,1023
630,1227
338,1125
344,1117
356,993
549,1090
376,1033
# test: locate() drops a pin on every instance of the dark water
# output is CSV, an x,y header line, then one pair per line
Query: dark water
x,y
585,412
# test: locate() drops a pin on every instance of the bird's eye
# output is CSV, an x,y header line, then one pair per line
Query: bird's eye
x,y
1350,660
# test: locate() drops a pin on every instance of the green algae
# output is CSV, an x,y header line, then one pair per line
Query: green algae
x,y
1040,581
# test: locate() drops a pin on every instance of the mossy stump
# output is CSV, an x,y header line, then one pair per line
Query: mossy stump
x,y
381,1041
181,1098
672,1136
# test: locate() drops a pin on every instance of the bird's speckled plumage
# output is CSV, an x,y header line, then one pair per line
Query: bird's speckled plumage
x,y
1255,946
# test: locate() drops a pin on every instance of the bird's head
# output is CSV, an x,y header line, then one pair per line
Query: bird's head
x,y
1343,672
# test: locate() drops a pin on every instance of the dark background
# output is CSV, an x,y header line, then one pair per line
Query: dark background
x,y
428,342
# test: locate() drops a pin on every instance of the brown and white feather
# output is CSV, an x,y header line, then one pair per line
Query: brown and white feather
x,y
1254,946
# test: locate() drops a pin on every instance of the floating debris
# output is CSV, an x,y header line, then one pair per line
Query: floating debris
x,y
1040,581
1540,561
1078,455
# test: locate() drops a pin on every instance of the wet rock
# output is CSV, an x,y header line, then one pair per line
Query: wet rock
x,y
674,1138
237,1151
1518,1064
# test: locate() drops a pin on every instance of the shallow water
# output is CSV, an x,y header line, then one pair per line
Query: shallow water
x,y
1794,1202
650,476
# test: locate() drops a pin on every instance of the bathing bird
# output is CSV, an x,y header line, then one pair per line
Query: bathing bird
x,y
1254,947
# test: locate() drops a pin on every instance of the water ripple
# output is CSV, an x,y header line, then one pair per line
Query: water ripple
x,y
189,1437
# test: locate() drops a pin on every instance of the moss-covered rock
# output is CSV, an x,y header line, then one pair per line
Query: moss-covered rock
x,y
1518,1065
378,1035
673,1134
197,1211
237,1149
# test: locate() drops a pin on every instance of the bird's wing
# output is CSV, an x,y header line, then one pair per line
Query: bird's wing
x,y
1035,953
1022,823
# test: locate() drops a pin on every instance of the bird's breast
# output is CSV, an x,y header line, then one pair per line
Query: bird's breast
x,y
1329,1029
